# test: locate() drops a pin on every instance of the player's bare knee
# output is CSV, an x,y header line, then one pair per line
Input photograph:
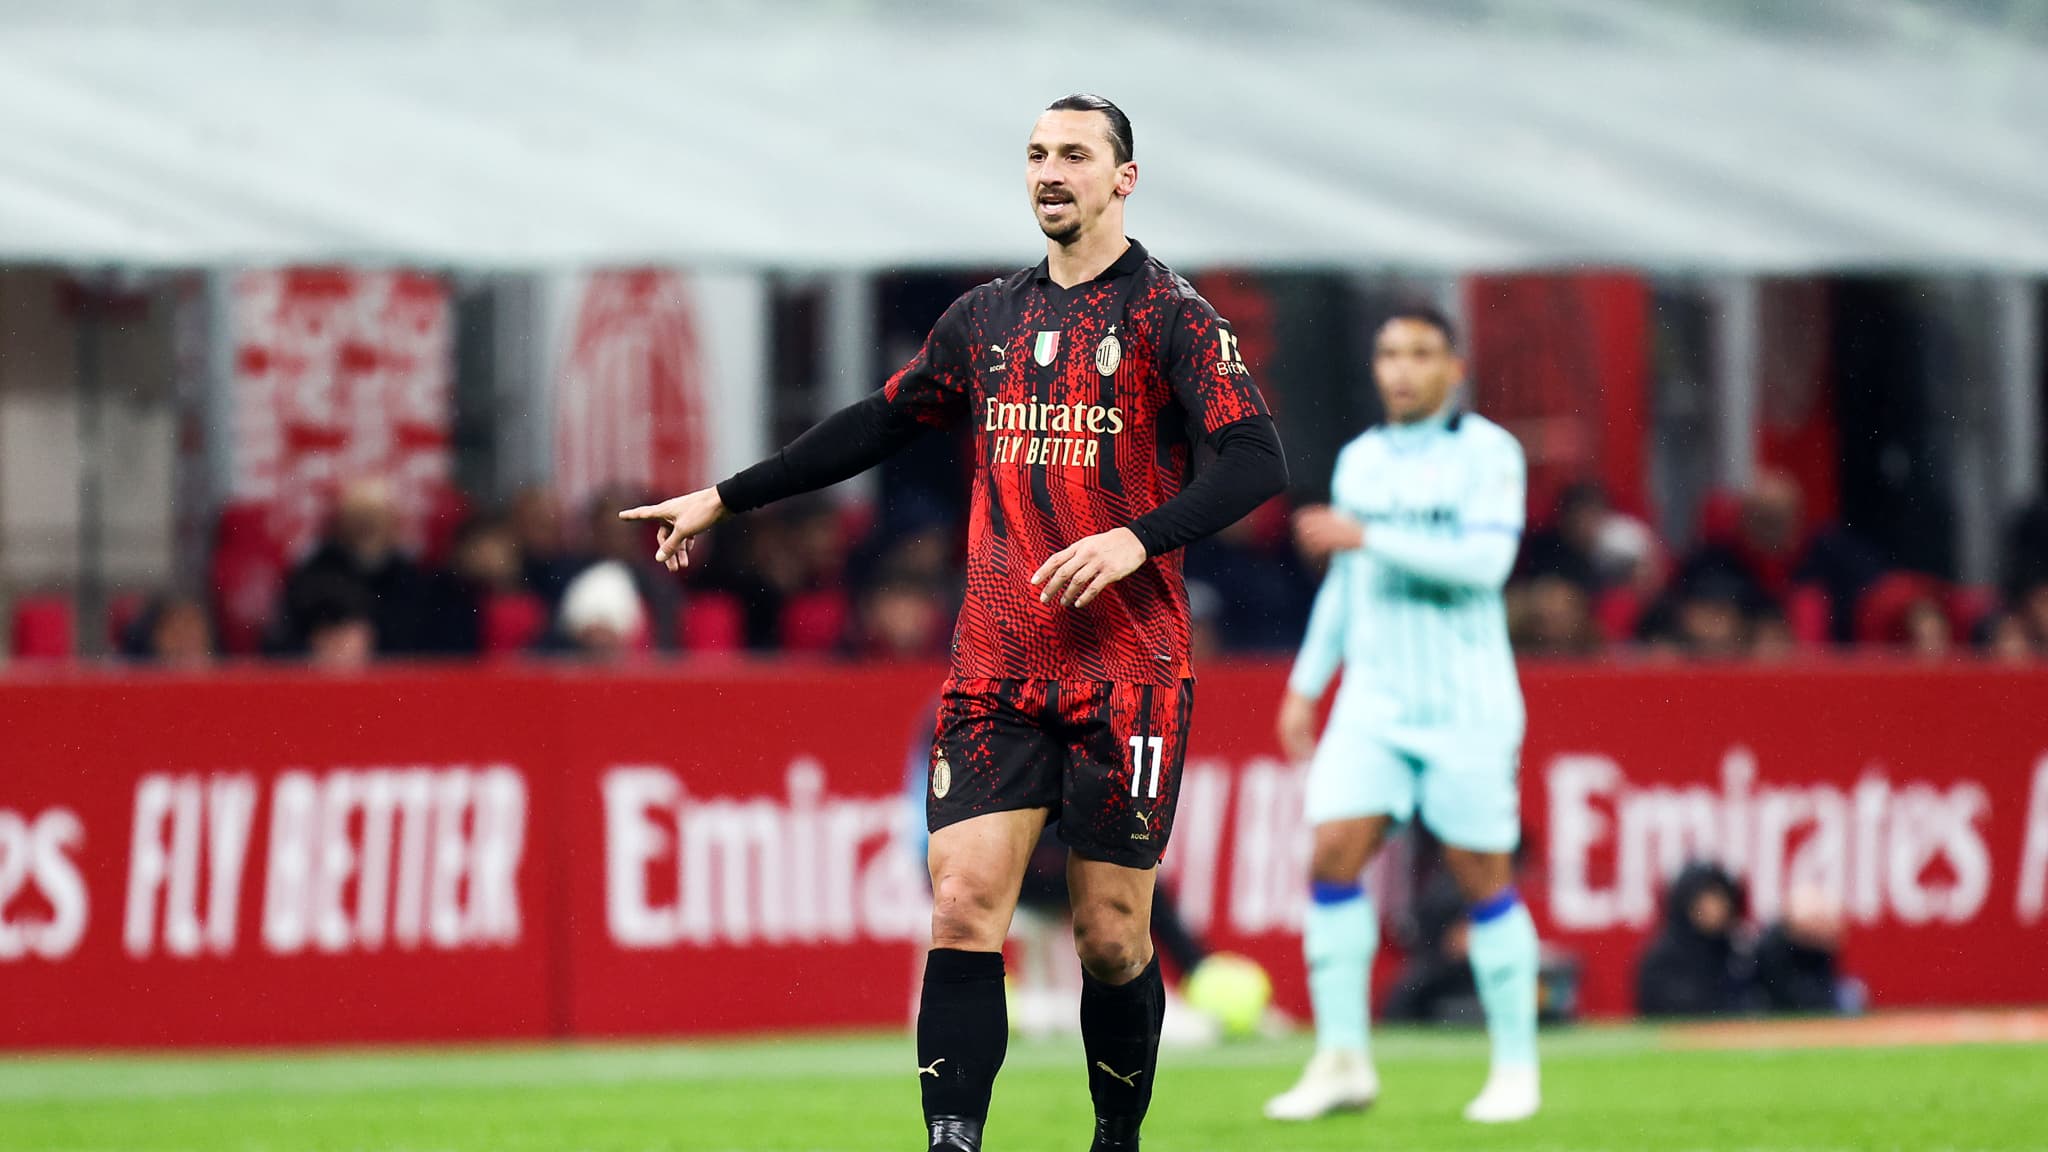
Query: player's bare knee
x,y
1114,956
1110,937
1480,876
965,914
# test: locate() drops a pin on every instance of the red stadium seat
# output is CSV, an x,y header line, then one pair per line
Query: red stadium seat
x,y
43,628
122,613
1809,613
714,622
247,573
814,621
855,522
1968,606
1721,519
512,622
447,510
1618,612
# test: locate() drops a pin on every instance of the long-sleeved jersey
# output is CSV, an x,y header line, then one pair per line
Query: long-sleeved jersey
x,y
1087,404
1415,616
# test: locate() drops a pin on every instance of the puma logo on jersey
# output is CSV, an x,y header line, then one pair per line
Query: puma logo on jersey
x,y
933,1070
1129,1081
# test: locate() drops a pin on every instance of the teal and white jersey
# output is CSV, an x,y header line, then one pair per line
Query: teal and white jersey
x,y
1415,616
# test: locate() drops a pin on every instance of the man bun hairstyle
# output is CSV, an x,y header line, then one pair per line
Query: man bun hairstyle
x,y
1119,124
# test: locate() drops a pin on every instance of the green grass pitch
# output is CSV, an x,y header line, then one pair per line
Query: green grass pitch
x,y
1621,1089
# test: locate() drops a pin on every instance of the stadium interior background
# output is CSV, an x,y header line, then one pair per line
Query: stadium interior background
x,y
330,341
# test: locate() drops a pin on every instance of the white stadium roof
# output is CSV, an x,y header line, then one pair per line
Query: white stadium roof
x,y
1452,134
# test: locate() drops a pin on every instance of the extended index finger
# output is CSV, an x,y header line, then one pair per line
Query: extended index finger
x,y
644,512
1052,563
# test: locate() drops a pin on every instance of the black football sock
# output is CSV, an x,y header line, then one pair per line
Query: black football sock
x,y
1120,1031
963,1030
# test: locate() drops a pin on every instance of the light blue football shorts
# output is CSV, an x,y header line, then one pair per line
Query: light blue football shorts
x,y
1464,780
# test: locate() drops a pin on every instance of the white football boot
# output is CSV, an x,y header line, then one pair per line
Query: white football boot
x,y
1510,1094
1336,1080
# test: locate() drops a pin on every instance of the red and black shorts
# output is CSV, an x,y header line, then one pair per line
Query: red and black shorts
x,y
1103,759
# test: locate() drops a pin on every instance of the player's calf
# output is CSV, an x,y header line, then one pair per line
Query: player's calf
x,y
963,1025
1123,998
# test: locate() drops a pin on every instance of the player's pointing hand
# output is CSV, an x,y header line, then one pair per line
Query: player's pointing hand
x,y
1078,573
678,520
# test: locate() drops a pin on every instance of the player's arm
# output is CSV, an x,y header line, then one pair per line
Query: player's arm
x,y
1490,516
1322,652
930,392
1216,388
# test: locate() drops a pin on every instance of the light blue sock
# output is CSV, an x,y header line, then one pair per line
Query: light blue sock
x,y
1503,949
1341,933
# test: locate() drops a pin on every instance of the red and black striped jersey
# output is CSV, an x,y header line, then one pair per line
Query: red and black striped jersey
x,y
1086,405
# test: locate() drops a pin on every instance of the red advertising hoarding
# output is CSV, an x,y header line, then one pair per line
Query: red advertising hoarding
x,y
286,858
274,860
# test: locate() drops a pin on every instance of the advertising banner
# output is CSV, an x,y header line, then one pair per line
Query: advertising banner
x,y
287,858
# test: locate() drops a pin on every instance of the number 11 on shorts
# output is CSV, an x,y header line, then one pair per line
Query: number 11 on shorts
x,y
1138,746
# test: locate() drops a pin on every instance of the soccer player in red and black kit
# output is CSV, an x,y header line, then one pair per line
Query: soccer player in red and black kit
x,y
1089,381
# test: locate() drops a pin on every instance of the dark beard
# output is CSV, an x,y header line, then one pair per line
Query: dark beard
x,y
1061,233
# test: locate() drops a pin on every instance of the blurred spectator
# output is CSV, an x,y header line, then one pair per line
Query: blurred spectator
x,y
1927,630
336,614
1552,615
925,554
1795,963
902,618
913,536
1770,636
1706,614
602,616
484,563
1261,591
1205,639
631,546
1694,967
2033,611
1588,543
1627,555
172,632
545,566
360,549
1776,550
2003,638
775,555
1567,547
2026,549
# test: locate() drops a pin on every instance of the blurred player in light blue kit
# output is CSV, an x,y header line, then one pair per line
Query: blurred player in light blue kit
x,y
1425,518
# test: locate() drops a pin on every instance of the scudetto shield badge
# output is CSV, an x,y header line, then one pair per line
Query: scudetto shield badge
x,y
1108,355
942,777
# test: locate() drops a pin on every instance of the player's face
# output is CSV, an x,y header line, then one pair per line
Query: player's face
x,y
1415,368
1071,173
